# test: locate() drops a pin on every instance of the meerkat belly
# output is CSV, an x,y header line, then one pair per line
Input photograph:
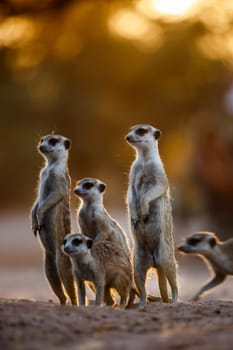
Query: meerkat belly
x,y
149,228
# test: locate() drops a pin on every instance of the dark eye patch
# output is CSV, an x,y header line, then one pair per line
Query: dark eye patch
x,y
64,241
53,141
194,240
140,131
76,242
88,185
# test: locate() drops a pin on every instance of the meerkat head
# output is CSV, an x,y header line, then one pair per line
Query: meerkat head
x,y
141,135
199,243
54,146
89,189
76,244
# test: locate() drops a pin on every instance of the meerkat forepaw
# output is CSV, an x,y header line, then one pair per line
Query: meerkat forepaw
x,y
35,227
35,230
40,216
134,223
145,218
145,212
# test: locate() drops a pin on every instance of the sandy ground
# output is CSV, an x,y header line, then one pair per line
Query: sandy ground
x,y
30,317
27,324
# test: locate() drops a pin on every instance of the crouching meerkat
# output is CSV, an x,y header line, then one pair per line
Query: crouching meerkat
x,y
102,263
150,213
50,215
218,256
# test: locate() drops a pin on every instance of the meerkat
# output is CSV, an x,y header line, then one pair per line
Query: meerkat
x,y
218,256
101,263
94,220
50,215
150,214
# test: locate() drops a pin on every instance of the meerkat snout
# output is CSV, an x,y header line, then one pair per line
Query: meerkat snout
x,y
42,148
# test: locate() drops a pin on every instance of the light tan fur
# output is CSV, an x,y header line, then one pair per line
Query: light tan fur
x,y
50,215
150,213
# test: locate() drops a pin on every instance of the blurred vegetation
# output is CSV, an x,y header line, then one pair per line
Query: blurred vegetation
x,y
91,69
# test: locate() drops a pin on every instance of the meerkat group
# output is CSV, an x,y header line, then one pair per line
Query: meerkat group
x,y
100,254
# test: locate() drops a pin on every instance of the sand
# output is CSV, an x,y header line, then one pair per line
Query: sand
x,y
31,324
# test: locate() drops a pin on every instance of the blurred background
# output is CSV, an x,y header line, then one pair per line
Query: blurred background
x,y
91,69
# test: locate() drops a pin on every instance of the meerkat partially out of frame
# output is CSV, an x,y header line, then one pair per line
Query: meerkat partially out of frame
x,y
50,215
94,220
102,263
150,213
218,256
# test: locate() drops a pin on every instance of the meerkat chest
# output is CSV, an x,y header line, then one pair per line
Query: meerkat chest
x,y
86,267
144,175
45,184
90,217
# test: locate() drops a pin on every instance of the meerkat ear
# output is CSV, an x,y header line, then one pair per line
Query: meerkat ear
x,y
157,134
102,187
212,242
89,243
67,144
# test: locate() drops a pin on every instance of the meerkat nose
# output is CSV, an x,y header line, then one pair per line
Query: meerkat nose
x,y
76,191
185,248
42,148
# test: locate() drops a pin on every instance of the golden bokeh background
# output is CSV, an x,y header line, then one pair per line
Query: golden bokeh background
x,y
91,69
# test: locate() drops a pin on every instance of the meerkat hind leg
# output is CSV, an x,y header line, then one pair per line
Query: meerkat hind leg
x,y
54,278
171,276
65,271
124,297
108,299
162,279
140,271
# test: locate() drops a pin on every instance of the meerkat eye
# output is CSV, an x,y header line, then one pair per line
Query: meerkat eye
x,y
53,141
88,185
64,241
42,140
194,240
76,242
141,132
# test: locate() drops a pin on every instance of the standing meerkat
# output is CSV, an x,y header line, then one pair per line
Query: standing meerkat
x,y
93,218
218,256
150,213
102,263
50,215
